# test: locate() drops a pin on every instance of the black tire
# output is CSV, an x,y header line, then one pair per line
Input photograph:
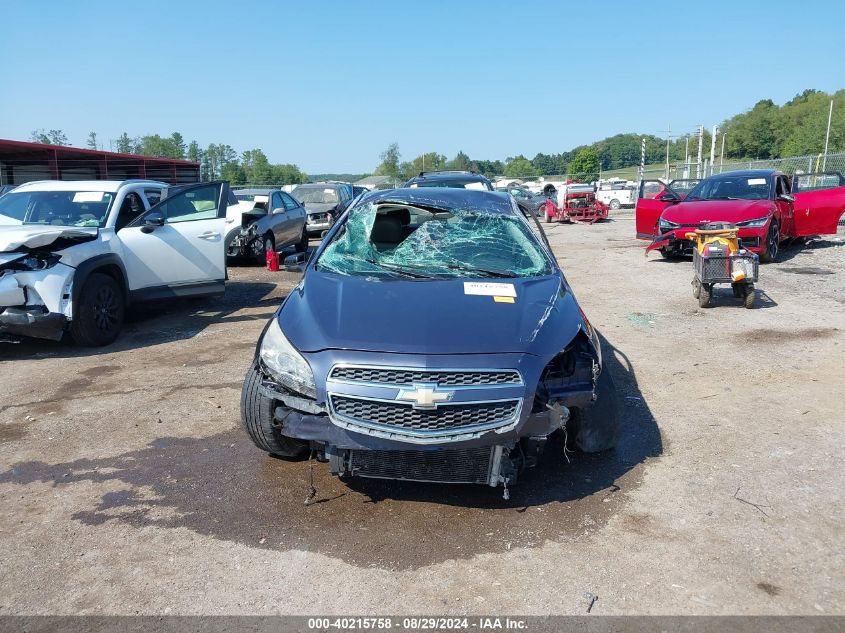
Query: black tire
x,y
597,427
665,253
614,204
268,244
738,290
99,312
704,295
302,244
750,296
696,288
258,420
772,246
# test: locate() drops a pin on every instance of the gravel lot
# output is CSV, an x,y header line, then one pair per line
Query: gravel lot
x,y
128,487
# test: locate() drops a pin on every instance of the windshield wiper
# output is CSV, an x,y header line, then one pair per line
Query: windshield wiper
x,y
487,271
397,269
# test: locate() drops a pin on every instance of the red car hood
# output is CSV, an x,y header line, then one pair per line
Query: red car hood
x,y
698,211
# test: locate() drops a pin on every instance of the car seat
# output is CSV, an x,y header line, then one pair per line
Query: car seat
x,y
389,229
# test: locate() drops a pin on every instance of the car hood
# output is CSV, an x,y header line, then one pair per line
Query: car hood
x,y
319,207
235,211
697,211
27,237
331,311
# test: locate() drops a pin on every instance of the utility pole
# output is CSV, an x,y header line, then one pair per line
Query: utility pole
x,y
827,136
642,159
700,143
668,140
713,148
722,156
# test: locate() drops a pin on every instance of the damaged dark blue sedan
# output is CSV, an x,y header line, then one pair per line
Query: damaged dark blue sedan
x,y
432,337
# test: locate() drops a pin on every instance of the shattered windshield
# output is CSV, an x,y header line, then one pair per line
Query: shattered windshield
x,y
731,188
316,195
56,208
397,240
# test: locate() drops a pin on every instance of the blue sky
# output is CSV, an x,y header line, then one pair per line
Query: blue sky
x,y
328,85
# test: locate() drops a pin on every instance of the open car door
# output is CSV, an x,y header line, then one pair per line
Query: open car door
x,y
176,248
654,196
819,202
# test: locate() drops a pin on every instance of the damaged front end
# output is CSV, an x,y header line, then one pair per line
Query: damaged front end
x,y
35,294
245,240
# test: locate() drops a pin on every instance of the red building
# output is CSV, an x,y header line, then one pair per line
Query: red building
x,y
22,162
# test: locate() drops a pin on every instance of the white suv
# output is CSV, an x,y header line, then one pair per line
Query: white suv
x,y
73,255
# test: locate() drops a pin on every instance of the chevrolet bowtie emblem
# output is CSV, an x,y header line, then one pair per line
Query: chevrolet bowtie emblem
x,y
424,395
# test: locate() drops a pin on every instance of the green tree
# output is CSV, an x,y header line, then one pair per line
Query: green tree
x,y
389,161
585,165
257,167
461,162
430,161
287,174
50,137
177,145
124,144
234,174
92,140
520,167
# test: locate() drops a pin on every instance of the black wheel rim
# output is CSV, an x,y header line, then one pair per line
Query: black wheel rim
x,y
774,239
106,309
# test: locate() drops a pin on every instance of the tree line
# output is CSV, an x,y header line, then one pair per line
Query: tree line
x,y
217,160
765,131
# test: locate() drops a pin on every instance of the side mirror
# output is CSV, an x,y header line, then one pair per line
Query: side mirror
x,y
786,197
295,263
278,210
668,197
151,221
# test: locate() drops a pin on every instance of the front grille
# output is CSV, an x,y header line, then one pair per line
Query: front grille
x,y
445,378
452,417
467,465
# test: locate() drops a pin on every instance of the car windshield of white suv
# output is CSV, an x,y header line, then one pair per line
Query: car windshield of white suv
x,y
315,195
731,188
81,209
395,240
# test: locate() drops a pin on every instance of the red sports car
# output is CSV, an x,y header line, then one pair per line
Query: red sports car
x,y
767,206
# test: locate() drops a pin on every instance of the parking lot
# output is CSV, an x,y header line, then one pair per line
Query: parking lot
x,y
128,486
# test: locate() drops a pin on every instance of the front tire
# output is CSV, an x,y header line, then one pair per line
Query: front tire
x,y
302,244
770,254
98,315
597,427
269,245
704,295
750,296
257,416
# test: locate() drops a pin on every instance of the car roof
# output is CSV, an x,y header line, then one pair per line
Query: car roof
x,y
747,173
110,186
323,185
444,198
255,192
466,176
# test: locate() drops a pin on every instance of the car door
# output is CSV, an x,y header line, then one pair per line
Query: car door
x,y
296,216
176,247
819,203
654,196
277,219
784,206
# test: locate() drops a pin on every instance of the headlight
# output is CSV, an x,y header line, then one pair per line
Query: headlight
x,y
666,225
754,224
285,363
35,261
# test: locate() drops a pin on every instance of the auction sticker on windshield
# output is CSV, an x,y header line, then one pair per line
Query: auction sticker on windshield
x,y
489,289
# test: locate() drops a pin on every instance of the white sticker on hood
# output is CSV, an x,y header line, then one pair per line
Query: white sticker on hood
x,y
88,196
489,289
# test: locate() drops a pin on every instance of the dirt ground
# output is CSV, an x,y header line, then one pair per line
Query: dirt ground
x,y
127,485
